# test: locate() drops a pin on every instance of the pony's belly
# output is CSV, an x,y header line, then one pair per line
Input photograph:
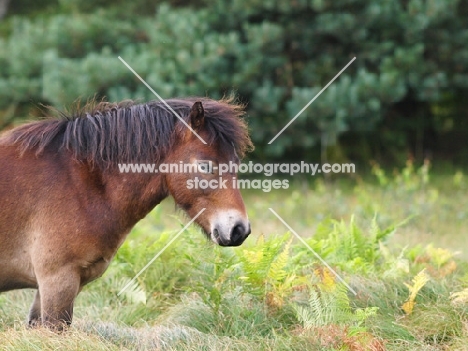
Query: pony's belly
x,y
13,278
16,270
15,284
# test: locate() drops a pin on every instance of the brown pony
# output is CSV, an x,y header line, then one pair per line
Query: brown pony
x,y
66,208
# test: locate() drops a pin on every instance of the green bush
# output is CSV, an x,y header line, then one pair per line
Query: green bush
x,y
411,61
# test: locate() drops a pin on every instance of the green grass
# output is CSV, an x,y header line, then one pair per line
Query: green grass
x,y
272,293
436,206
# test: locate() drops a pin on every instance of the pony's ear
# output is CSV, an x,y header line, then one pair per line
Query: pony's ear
x,y
197,115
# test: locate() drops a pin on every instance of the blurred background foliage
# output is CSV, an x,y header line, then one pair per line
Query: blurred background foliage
x,y
402,97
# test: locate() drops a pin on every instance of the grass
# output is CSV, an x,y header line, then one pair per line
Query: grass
x,y
271,293
436,206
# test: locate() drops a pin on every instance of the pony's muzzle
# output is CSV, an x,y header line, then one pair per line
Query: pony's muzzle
x,y
230,232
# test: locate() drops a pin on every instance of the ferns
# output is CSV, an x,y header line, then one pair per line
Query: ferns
x,y
325,307
134,291
257,261
348,246
329,303
268,271
331,320
275,283
277,271
418,283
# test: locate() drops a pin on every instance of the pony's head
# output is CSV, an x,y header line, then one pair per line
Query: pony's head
x,y
109,134
201,186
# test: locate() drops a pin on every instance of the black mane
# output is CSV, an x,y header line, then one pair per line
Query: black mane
x,y
130,132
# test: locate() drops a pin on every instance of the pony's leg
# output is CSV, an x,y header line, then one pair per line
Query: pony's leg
x,y
58,292
34,318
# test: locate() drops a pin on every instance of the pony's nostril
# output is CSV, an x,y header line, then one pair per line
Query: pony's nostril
x,y
216,234
239,233
219,238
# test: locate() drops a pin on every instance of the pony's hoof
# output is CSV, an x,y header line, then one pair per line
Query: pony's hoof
x,y
34,323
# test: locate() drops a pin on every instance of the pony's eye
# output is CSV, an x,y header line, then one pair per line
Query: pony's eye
x,y
205,167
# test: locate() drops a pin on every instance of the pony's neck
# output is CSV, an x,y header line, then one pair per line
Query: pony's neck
x,y
133,195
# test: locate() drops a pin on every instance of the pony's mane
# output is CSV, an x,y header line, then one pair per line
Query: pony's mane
x,y
130,132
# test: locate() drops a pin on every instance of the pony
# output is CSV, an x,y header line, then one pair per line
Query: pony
x,y
66,206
